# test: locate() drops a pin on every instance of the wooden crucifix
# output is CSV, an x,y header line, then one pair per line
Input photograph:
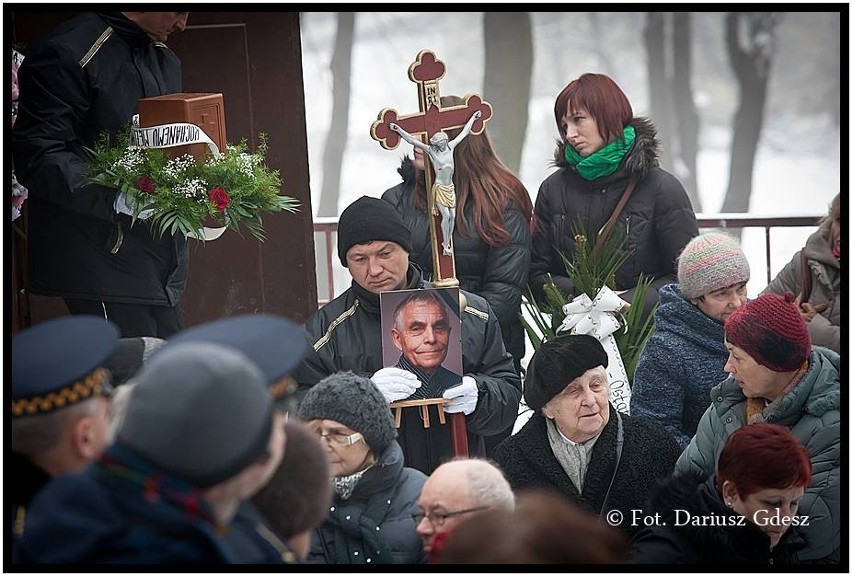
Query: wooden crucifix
x,y
430,124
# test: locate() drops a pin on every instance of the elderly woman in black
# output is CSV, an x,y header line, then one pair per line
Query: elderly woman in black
x,y
370,519
577,443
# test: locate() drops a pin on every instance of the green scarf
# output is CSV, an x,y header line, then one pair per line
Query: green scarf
x,y
603,162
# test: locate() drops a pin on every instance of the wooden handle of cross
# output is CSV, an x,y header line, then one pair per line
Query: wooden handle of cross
x,y
458,425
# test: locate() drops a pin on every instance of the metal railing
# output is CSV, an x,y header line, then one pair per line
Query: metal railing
x,y
325,230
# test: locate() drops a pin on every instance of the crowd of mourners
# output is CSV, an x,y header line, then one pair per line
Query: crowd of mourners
x,y
251,439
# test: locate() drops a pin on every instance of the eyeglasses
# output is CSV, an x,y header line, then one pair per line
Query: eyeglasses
x,y
437,519
339,439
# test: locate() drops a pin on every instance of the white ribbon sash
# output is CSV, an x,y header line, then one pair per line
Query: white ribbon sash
x,y
597,318
177,134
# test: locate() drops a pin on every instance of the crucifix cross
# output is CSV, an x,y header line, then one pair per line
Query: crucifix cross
x,y
425,71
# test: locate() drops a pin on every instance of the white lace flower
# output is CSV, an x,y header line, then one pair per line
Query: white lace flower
x,y
133,156
195,188
177,166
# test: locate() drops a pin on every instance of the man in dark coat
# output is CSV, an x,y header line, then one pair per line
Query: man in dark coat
x,y
577,443
83,79
59,404
346,334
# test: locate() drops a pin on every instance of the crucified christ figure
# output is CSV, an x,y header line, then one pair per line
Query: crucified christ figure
x,y
440,151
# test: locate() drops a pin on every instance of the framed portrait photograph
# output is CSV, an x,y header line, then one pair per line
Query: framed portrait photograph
x,y
421,333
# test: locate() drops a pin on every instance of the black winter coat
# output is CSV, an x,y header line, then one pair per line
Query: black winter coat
x,y
681,500
375,524
109,515
648,455
85,78
657,221
346,334
29,480
497,273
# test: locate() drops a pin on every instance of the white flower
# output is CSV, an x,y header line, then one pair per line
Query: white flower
x,y
133,156
195,188
177,166
247,162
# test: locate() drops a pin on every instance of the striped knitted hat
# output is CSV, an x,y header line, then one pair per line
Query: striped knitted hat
x,y
771,330
709,262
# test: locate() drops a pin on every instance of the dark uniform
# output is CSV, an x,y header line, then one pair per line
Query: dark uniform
x,y
55,365
84,78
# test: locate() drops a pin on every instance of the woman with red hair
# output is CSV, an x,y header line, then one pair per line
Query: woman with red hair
x,y
744,514
605,153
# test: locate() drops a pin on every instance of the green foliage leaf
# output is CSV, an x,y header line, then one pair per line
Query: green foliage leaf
x,y
589,272
180,200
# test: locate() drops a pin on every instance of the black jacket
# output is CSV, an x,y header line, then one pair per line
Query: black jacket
x,y
346,334
657,221
648,455
29,479
497,273
375,524
84,78
679,501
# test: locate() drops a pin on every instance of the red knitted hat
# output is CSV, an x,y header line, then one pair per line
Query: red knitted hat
x,y
771,330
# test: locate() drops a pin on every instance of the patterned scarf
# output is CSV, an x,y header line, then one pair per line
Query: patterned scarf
x,y
603,162
344,486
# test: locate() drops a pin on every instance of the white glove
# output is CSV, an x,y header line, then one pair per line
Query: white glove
x,y
464,396
125,205
395,383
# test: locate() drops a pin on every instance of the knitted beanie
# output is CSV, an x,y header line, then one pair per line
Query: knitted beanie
x,y
711,261
354,401
771,330
557,363
367,220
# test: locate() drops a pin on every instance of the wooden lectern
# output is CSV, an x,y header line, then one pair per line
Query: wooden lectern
x,y
205,110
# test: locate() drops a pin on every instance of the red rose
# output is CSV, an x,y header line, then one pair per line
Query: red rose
x,y
219,197
146,184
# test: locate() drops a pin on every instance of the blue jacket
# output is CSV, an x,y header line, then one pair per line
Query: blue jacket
x,y
105,515
374,525
682,361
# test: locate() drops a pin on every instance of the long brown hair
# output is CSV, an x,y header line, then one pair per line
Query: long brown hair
x,y
483,180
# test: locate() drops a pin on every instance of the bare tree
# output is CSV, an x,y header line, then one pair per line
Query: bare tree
x,y
508,77
658,83
684,105
341,73
750,39
668,42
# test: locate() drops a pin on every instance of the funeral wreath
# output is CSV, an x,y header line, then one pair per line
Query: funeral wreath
x,y
184,195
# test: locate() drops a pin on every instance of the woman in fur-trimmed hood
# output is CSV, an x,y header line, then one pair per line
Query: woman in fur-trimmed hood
x,y
603,147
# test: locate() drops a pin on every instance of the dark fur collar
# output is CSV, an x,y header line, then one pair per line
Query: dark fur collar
x,y
642,157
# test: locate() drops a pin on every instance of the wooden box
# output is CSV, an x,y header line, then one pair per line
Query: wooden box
x,y
205,110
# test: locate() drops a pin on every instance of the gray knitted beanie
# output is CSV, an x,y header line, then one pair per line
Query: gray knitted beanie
x,y
709,262
354,401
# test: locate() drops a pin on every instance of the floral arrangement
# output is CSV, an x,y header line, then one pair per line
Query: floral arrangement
x,y
183,195
19,192
590,271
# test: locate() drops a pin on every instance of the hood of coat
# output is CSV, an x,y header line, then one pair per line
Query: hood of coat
x,y
677,315
642,156
818,248
407,170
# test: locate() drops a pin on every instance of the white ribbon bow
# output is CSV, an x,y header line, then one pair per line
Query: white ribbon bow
x,y
597,318
594,317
